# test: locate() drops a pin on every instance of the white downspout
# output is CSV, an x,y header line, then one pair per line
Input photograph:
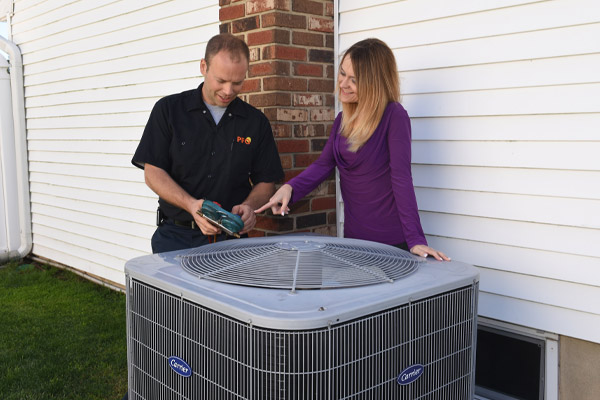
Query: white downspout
x,y
22,171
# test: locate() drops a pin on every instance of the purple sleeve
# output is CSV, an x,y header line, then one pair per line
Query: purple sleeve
x,y
318,171
399,142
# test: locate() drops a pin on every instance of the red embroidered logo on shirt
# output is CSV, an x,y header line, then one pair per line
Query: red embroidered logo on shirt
x,y
244,140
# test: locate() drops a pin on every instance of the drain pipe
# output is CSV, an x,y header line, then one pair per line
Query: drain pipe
x,y
22,171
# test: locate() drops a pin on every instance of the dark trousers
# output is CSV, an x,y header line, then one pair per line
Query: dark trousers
x,y
170,237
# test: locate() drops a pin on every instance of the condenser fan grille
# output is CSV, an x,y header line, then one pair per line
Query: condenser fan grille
x,y
299,262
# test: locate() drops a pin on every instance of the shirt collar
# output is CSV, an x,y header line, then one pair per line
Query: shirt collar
x,y
196,102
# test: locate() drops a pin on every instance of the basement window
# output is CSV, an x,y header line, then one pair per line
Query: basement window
x,y
509,365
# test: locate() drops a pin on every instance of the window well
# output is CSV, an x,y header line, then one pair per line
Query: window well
x,y
509,366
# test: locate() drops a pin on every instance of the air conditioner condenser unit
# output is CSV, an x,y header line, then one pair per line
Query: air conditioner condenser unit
x,y
300,317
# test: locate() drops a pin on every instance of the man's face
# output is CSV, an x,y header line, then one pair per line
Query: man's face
x,y
223,78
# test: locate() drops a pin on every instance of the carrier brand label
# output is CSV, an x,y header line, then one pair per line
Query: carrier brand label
x,y
410,374
180,366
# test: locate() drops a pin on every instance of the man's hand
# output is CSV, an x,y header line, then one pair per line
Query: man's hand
x,y
248,216
424,251
207,227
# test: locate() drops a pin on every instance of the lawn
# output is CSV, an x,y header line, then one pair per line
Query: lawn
x,y
61,336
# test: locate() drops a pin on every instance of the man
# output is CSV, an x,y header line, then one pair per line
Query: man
x,y
207,143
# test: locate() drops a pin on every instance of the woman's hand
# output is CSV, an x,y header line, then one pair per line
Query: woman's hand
x,y
424,251
279,202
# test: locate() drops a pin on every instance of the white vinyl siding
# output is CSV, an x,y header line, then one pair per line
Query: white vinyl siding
x,y
504,98
93,70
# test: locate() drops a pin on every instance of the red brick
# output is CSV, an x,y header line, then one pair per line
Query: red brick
x,y
329,41
329,9
308,7
251,85
321,85
318,55
270,99
224,2
320,24
322,189
308,69
329,230
330,100
307,39
281,68
271,223
225,28
285,20
304,160
307,99
281,130
286,114
287,84
300,207
245,24
286,161
292,146
254,54
332,188
323,203
322,114
258,6
281,52
331,218
311,220
317,145
232,12
329,72
302,230
312,130
289,174
268,36
256,233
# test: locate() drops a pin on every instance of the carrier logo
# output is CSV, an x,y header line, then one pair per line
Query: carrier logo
x,y
180,366
410,374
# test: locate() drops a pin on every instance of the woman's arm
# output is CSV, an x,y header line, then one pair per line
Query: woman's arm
x,y
399,142
301,185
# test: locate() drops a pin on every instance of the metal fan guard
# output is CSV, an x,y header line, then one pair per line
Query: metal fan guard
x,y
299,262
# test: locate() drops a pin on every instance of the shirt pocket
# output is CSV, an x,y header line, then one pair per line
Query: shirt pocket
x,y
242,155
190,151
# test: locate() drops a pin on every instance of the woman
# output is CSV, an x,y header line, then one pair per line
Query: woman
x,y
370,144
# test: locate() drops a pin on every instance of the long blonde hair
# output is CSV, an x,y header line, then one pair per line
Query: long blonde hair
x,y
377,85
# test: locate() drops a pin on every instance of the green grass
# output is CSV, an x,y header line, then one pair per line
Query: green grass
x,y
61,336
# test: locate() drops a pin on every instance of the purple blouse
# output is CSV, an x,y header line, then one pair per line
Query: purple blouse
x,y
376,181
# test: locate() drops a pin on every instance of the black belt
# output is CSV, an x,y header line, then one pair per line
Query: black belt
x,y
186,224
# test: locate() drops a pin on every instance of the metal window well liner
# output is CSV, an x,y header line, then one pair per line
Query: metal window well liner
x,y
300,317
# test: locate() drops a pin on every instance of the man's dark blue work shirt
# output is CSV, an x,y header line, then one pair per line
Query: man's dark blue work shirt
x,y
214,162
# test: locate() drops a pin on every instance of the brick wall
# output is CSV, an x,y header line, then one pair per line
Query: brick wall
x,y
291,79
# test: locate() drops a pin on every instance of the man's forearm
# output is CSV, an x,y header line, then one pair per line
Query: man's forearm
x,y
260,194
163,185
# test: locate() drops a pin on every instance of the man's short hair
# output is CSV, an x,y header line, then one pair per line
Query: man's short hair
x,y
226,41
